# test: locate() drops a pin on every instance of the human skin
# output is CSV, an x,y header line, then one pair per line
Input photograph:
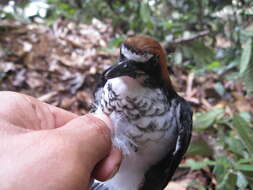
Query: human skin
x,y
45,147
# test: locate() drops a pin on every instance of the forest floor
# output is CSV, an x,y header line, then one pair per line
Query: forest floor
x,y
60,65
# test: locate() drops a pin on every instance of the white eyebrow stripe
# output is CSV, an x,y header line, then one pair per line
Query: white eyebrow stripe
x,y
133,56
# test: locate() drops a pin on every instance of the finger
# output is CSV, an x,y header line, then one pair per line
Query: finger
x,y
104,118
27,112
108,167
7,129
92,136
59,116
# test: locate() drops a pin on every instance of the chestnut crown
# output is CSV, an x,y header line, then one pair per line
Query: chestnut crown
x,y
141,55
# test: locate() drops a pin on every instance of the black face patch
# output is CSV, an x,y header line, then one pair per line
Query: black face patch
x,y
152,66
151,69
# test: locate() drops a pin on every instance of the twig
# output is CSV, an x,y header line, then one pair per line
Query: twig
x,y
206,104
172,45
189,85
200,13
48,96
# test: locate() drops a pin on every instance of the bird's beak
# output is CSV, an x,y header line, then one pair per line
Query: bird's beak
x,y
123,68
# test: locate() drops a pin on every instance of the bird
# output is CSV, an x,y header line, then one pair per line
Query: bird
x,y
152,124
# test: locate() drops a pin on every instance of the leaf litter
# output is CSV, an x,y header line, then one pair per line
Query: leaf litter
x,y
59,65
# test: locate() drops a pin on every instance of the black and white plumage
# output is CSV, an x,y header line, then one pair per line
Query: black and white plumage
x,y
152,124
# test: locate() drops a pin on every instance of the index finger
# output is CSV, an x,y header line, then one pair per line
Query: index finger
x,y
59,115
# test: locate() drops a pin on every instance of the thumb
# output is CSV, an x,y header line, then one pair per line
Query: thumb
x,y
92,137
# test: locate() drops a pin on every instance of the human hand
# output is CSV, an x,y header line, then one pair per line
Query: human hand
x,y
44,147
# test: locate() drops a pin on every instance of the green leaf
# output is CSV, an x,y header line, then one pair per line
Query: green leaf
x,y
214,65
244,131
227,181
201,54
248,78
193,184
222,185
64,6
196,165
246,55
235,145
115,42
243,167
246,116
219,88
145,12
205,120
168,24
245,160
199,146
241,181
67,8
248,33
219,171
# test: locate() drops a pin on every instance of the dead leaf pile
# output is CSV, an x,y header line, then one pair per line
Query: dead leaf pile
x,y
58,64
202,92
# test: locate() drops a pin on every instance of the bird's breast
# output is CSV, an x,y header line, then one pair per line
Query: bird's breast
x,y
144,127
139,114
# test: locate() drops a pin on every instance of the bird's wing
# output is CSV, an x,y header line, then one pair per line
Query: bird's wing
x,y
158,176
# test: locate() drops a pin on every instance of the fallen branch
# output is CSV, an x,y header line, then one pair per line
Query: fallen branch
x,y
172,45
